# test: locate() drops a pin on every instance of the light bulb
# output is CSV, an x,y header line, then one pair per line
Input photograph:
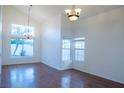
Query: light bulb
x,y
68,11
78,11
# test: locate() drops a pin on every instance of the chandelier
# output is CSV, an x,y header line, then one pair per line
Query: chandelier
x,y
27,35
73,13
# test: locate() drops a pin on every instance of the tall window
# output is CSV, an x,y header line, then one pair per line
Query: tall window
x,y
21,46
66,49
79,46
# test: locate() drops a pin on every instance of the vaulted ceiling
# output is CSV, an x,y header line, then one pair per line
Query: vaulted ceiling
x,y
43,13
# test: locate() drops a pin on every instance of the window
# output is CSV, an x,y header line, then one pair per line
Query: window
x,y
21,46
66,49
79,46
77,50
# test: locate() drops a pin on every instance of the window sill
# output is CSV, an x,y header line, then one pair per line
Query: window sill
x,y
22,57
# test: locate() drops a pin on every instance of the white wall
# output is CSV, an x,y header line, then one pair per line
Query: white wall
x,y
0,36
51,42
13,16
104,55
66,27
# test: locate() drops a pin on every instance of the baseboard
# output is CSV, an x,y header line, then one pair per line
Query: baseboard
x,y
20,63
51,66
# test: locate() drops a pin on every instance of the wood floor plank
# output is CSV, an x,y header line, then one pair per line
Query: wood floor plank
x,y
39,75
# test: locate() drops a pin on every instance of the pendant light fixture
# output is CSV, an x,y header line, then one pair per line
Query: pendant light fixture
x,y
73,13
27,35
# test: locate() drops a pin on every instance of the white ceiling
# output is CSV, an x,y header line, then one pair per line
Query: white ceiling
x,y
43,13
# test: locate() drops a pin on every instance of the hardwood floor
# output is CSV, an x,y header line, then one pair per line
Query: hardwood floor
x,y
41,76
